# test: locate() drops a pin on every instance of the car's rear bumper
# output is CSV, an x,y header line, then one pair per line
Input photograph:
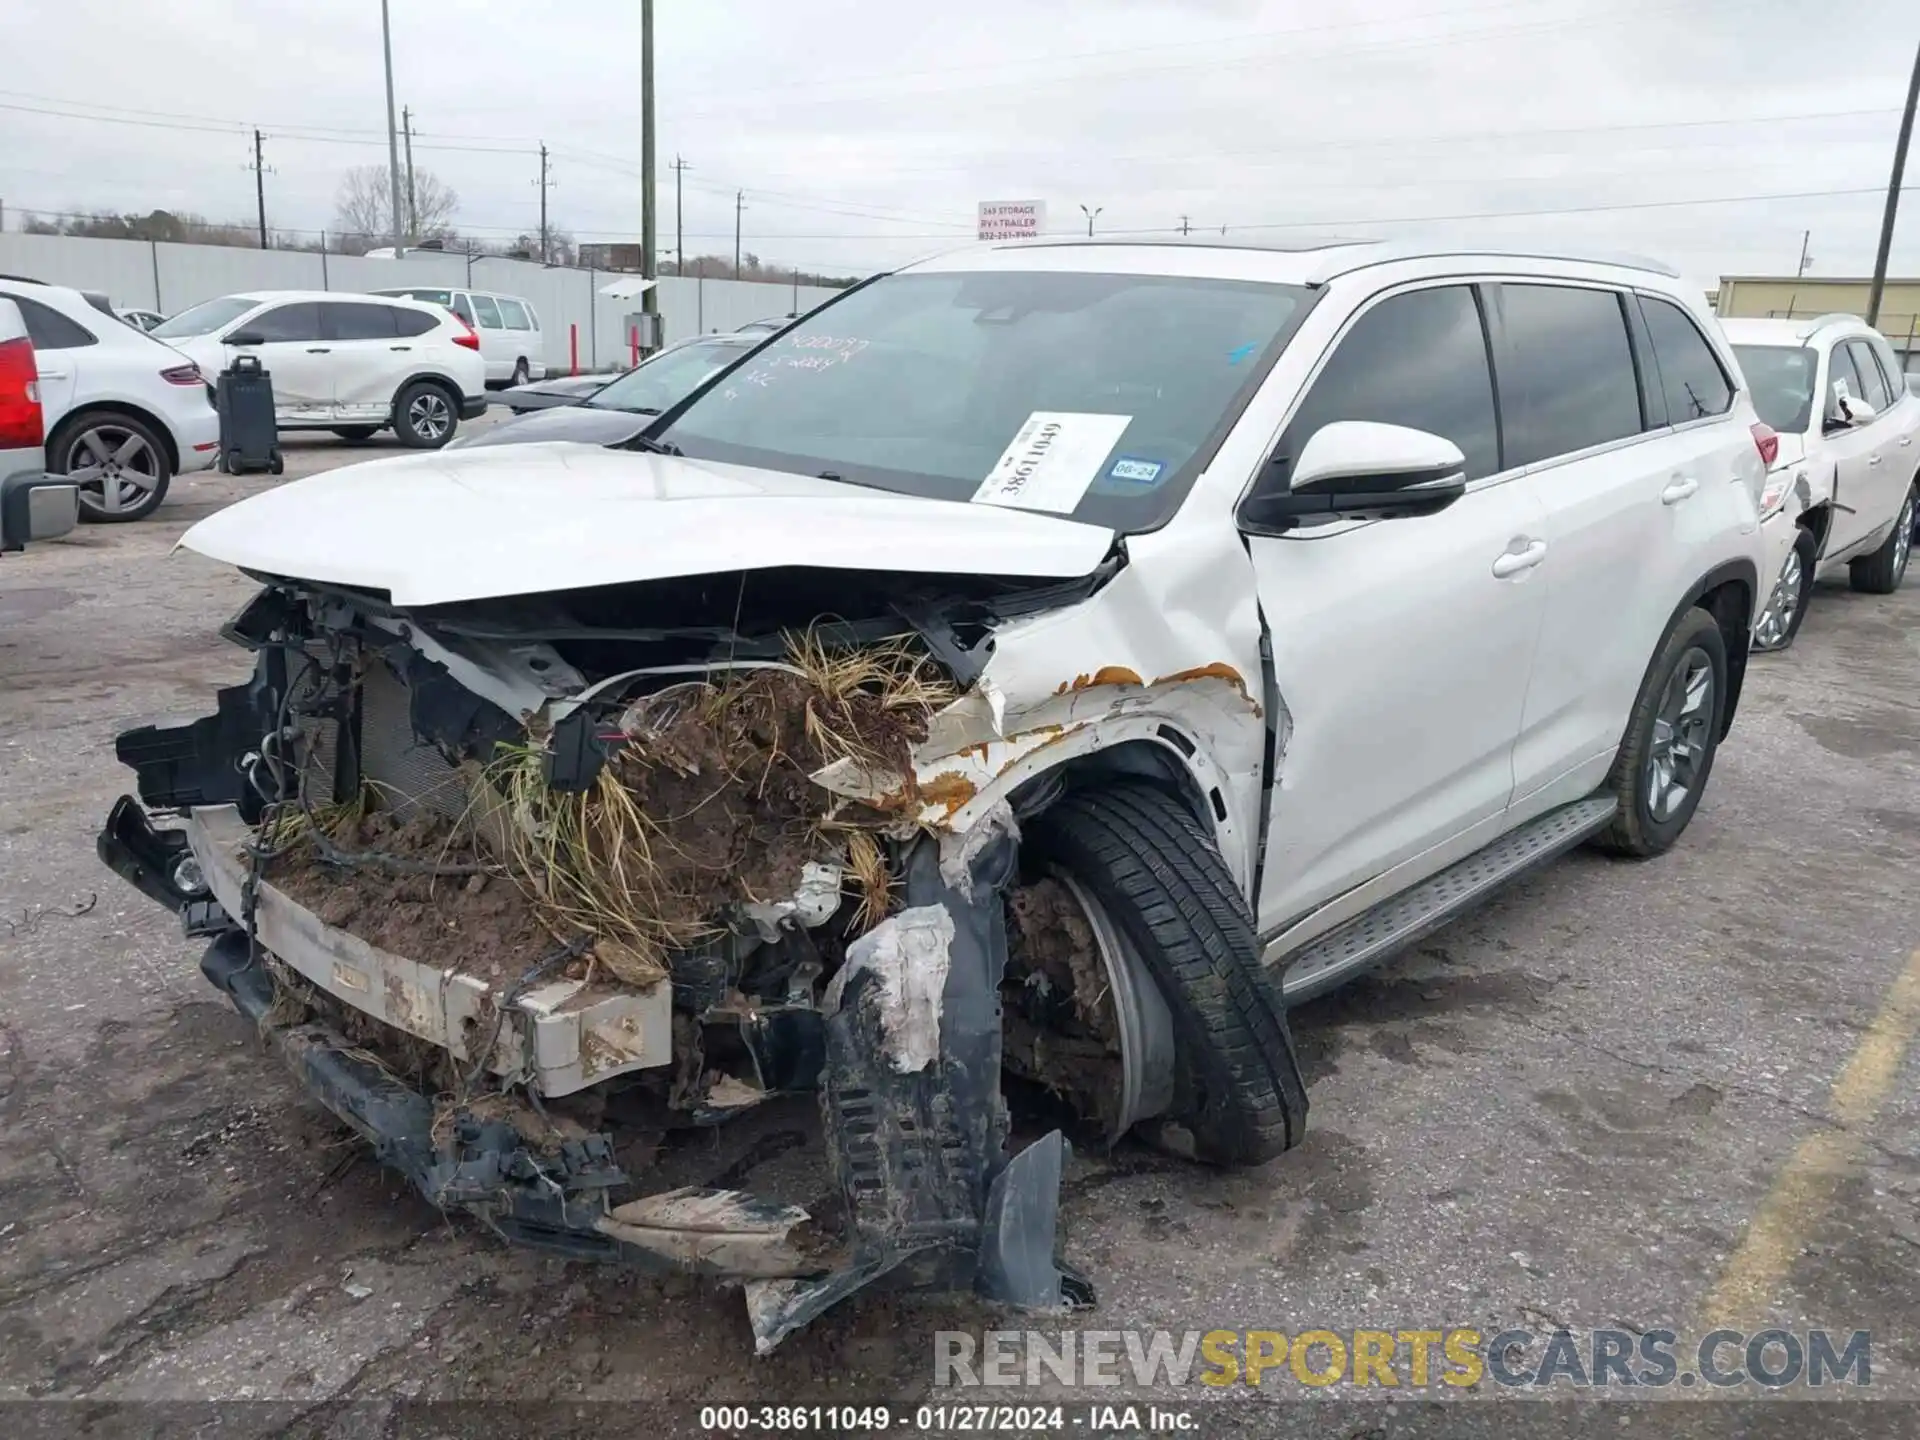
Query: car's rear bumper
x,y
198,439
472,407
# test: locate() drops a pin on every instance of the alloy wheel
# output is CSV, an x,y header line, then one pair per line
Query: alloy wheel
x,y
1903,539
1681,735
115,467
430,415
1770,631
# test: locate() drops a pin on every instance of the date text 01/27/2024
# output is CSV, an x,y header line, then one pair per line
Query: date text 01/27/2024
x,y
959,1419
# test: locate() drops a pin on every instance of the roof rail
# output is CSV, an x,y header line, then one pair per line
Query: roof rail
x,y
1830,318
1359,255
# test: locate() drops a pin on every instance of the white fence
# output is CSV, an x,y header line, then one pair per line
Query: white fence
x,y
168,278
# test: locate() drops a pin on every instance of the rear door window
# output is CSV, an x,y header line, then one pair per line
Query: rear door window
x,y
1417,359
412,322
488,312
357,320
514,313
1691,376
463,308
48,328
1567,380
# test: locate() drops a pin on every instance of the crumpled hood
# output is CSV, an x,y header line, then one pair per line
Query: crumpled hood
x,y
527,519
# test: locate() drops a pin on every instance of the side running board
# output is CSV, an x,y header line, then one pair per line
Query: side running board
x,y
1391,926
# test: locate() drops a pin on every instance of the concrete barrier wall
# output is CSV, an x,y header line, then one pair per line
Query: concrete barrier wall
x,y
168,278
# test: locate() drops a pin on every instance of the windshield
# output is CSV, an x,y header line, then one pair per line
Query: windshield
x,y
1092,395
1781,377
668,378
203,319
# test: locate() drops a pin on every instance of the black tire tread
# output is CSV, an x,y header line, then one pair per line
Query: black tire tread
x,y
1626,834
1164,882
1809,549
405,431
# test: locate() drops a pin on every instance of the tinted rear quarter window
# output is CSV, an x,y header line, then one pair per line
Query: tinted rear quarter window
x,y
1691,376
356,320
463,308
1417,359
412,322
48,328
1567,380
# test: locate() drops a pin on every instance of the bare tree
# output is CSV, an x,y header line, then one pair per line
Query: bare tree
x,y
363,205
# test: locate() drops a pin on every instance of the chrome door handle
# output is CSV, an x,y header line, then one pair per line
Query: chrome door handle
x,y
1875,460
1679,489
1906,440
1514,561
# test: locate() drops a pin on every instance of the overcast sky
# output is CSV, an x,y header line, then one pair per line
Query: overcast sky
x,y
864,132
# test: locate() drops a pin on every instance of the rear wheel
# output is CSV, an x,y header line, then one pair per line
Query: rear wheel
x,y
424,415
119,463
1154,881
1881,572
1792,593
520,372
1672,734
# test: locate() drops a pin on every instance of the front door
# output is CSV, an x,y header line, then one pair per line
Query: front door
x,y
1401,647
370,358
290,345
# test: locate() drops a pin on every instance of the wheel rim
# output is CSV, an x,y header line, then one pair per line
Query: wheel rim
x,y
1903,539
1681,735
1771,630
430,415
115,467
1145,1024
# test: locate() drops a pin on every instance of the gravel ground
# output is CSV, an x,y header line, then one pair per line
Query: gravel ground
x,y
1568,1108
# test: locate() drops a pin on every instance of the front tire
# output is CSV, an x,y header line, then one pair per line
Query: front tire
x,y
1792,594
1239,1098
119,462
1672,736
1881,572
425,415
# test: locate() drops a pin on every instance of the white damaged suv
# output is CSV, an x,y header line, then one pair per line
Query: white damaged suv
x,y
1126,642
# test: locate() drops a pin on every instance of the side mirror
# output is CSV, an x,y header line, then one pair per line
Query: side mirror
x,y
1856,411
245,337
1360,469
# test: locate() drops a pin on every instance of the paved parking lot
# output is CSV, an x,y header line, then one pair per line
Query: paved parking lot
x,y
1634,1095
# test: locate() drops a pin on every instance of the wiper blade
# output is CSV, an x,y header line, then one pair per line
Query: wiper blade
x,y
653,446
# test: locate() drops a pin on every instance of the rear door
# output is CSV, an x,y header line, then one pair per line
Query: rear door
x,y
1576,417
495,344
296,355
370,358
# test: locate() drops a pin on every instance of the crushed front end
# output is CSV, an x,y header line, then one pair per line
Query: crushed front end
x,y
505,882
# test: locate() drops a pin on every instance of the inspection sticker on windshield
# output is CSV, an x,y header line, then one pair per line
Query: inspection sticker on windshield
x,y
1052,461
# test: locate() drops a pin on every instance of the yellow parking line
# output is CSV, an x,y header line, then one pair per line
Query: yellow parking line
x,y
1795,1205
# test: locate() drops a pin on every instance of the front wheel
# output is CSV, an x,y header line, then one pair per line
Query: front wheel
x,y
1792,593
1881,572
424,416
1672,735
118,462
1156,876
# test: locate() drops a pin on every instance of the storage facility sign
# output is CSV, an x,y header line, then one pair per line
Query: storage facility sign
x,y
1012,219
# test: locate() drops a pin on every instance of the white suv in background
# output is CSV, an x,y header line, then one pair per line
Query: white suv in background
x,y
124,413
508,327
352,364
1842,486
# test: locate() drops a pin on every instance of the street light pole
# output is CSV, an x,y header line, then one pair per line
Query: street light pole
x,y
393,137
1893,194
1091,215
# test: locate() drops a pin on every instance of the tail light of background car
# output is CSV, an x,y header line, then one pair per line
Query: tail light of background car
x,y
188,374
21,425
1767,441
469,337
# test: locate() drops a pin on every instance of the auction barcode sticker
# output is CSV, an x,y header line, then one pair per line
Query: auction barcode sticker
x,y
1052,461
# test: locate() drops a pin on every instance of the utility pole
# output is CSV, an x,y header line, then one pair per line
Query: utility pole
x,y
260,186
413,200
1183,225
1806,239
393,135
649,228
1893,194
739,204
680,168
544,257
1091,215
